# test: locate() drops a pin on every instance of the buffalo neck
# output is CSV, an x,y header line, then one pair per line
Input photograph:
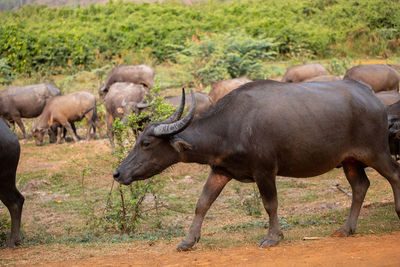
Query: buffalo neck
x,y
206,140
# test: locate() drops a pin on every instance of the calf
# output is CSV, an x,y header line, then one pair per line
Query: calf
x,y
62,111
9,194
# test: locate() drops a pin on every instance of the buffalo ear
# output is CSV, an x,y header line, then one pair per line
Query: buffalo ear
x,y
179,144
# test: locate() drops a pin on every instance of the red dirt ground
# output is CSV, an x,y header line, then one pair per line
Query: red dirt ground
x,y
368,250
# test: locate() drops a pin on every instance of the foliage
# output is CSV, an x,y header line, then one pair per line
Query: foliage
x,y
67,39
225,56
125,210
5,72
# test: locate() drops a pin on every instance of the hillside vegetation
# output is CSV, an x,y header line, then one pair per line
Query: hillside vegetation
x,y
209,38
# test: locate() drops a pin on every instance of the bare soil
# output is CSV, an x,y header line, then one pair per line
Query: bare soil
x,y
368,250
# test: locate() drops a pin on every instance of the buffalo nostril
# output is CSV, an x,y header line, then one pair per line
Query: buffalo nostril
x,y
116,174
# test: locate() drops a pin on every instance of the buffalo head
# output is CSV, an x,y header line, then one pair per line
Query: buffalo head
x,y
38,133
157,147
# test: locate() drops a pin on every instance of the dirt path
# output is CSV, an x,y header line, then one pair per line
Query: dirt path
x,y
369,250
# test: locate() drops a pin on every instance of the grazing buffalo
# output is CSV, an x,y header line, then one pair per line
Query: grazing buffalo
x,y
324,78
267,128
25,102
139,74
9,194
388,97
393,114
301,73
62,111
221,88
379,77
203,102
122,99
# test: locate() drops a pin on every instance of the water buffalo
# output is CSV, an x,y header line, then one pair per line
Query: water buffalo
x,y
9,194
221,88
63,111
267,128
324,78
388,97
121,99
139,74
379,77
25,102
300,73
203,102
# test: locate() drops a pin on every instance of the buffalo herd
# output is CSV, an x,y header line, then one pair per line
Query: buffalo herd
x,y
251,131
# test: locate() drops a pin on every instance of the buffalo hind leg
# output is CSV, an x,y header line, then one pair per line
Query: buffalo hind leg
x,y
211,191
14,201
390,169
355,174
267,187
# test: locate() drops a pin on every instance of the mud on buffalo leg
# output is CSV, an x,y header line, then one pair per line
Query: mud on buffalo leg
x,y
267,187
211,191
355,174
14,201
390,169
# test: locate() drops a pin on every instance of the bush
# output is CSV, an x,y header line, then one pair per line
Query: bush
x,y
67,39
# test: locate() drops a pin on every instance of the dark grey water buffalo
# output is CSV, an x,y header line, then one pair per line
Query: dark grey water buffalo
x,y
139,74
324,78
203,102
379,77
9,194
221,88
267,128
64,110
122,99
388,97
300,73
25,102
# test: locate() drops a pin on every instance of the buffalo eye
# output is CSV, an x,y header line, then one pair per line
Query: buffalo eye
x,y
145,143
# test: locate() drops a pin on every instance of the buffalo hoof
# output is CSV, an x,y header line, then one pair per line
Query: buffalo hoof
x,y
268,243
185,246
341,233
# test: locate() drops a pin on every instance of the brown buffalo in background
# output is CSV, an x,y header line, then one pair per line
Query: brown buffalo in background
x,y
203,102
121,99
25,102
301,73
139,74
379,77
388,97
221,88
61,111
324,78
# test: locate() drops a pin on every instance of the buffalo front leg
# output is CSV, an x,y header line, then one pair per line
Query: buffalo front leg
x,y
21,126
211,190
110,130
359,182
71,131
267,187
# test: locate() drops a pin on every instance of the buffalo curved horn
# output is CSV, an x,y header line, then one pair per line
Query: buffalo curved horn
x,y
166,129
178,113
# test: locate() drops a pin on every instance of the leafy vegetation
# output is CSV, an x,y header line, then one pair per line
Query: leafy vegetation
x,y
239,34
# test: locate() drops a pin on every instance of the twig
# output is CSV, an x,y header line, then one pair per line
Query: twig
x,y
341,189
